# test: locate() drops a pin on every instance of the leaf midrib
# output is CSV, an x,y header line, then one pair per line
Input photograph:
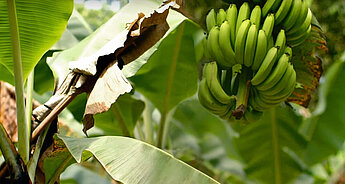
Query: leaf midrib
x,y
275,143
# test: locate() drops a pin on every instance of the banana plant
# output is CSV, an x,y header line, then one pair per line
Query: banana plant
x,y
161,128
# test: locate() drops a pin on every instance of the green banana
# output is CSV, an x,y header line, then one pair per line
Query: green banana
x,y
221,17
225,43
211,20
301,18
298,30
265,67
290,20
255,16
232,19
282,95
267,7
276,74
288,50
207,54
243,14
213,43
281,83
276,5
213,83
270,43
281,42
250,46
301,39
240,42
268,25
208,101
261,49
283,11
256,102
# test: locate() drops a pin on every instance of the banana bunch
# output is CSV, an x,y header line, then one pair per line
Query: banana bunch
x,y
294,16
247,38
273,86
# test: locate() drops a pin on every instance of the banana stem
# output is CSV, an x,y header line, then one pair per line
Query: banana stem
x,y
242,93
23,130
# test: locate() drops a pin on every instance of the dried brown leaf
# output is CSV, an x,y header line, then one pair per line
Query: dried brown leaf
x,y
308,66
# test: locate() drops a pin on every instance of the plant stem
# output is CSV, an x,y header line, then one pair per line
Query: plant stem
x,y
11,156
242,93
32,164
163,128
148,121
140,131
23,141
28,104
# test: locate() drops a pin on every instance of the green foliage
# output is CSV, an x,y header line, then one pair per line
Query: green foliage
x,y
122,117
160,80
40,25
325,128
132,161
266,146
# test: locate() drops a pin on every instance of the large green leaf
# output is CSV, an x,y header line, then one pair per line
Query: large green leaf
x,y
131,161
326,128
270,145
170,74
40,24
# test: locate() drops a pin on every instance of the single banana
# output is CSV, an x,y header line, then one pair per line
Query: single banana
x,y
225,43
276,74
301,39
232,19
213,83
221,17
250,45
281,83
267,7
213,43
301,18
240,42
293,15
243,14
211,20
261,49
281,42
265,67
296,31
268,25
255,16
283,11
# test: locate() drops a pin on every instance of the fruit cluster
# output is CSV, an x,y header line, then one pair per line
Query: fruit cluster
x,y
258,41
